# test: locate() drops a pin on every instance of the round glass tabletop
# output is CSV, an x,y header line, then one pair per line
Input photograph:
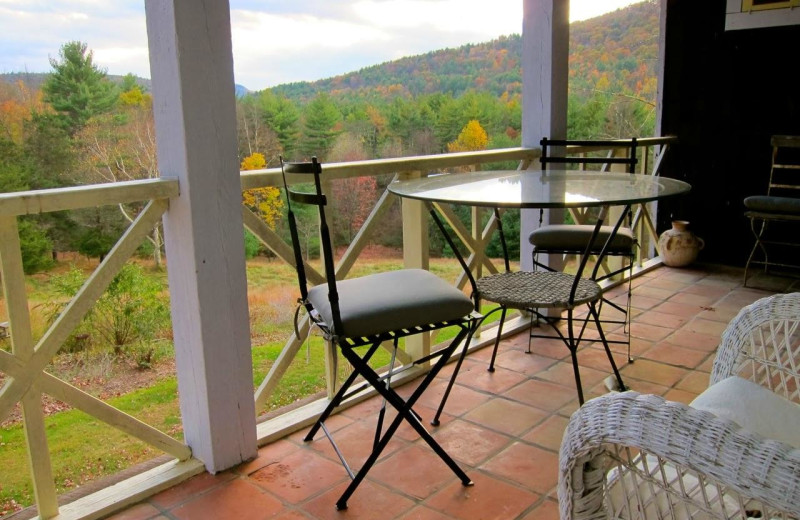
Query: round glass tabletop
x,y
539,189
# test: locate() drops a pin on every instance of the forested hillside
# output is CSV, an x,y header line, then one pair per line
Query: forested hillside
x,y
614,52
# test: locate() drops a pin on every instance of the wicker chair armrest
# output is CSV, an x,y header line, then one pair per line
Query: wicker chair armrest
x,y
718,449
762,335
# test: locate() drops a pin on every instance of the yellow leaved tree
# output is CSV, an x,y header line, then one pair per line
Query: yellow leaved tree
x,y
265,202
472,137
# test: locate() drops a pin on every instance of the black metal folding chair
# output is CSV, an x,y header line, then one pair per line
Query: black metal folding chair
x,y
571,239
360,314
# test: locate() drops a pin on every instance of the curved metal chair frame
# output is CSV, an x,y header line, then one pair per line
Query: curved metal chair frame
x,y
781,206
531,291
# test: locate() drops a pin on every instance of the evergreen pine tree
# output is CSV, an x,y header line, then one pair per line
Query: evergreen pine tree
x,y
78,89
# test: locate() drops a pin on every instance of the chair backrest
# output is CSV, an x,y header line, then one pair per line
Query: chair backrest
x,y
762,344
784,176
316,198
606,159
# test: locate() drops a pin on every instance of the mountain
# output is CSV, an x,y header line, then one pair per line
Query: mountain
x,y
616,51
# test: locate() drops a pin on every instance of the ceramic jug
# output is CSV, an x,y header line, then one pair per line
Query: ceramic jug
x,y
679,246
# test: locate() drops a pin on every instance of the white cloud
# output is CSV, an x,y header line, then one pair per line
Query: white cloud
x,y
490,19
265,33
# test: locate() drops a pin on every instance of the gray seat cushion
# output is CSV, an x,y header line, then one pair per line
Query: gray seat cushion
x,y
567,237
391,301
770,204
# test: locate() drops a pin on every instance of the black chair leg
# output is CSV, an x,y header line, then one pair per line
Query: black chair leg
x,y
338,397
573,352
435,421
497,339
596,317
404,412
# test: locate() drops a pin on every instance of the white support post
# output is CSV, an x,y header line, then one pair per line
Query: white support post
x,y
191,65
545,72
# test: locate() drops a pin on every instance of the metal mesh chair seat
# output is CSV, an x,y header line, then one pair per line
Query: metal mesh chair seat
x,y
538,289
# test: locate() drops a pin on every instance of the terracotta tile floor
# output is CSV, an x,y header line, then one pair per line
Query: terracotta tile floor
x,y
504,428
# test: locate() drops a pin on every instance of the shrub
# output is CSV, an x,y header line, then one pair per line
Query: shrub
x,y
131,310
36,248
95,244
252,245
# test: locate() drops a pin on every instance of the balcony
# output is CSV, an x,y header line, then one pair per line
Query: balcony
x,y
679,312
505,427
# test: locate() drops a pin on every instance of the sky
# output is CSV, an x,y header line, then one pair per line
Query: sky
x,y
338,36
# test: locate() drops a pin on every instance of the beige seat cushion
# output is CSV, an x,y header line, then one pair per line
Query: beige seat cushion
x,y
754,408
391,301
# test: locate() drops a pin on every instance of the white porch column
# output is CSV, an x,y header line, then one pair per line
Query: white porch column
x,y
191,64
545,72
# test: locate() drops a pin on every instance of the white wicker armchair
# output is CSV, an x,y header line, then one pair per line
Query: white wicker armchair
x,y
637,456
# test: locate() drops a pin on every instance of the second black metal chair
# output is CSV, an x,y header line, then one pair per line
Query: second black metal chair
x,y
571,239
360,314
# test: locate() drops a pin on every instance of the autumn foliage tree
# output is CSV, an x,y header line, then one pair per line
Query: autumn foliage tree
x,y
120,145
472,137
265,202
353,198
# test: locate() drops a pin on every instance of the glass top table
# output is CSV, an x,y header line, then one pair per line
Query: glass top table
x,y
539,189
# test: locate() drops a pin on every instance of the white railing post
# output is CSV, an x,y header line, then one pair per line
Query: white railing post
x,y
416,254
22,344
545,74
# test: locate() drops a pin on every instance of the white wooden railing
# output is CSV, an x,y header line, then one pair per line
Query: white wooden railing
x,y
24,367
26,379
